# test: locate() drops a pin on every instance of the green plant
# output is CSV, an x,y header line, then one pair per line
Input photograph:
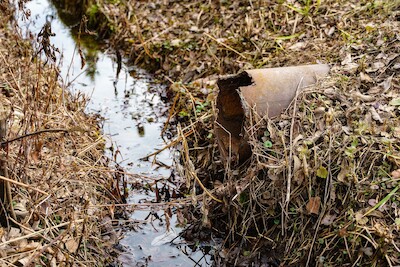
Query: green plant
x,y
92,12
307,6
201,106
352,149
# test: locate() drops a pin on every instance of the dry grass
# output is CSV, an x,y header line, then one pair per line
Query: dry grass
x,y
63,190
325,192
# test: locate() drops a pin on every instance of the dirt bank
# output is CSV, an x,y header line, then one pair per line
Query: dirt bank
x,y
60,209
321,186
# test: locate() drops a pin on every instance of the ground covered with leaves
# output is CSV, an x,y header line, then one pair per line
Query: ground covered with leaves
x,y
58,193
321,188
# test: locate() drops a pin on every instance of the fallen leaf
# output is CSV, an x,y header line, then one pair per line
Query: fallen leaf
x,y
313,205
14,232
322,172
344,173
375,115
378,65
180,218
365,98
343,232
328,219
367,251
330,31
296,163
375,90
347,60
395,102
30,246
20,210
365,77
395,174
374,187
361,219
25,261
396,133
375,66
348,64
372,202
298,46
71,245
351,67
387,83
382,230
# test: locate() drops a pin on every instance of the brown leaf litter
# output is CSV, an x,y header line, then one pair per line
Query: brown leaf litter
x,y
61,183
321,186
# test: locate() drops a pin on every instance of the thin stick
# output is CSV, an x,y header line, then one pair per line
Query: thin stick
x,y
225,45
177,140
288,189
139,205
38,232
143,43
22,184
171,112
140,36
326,196
38,132
192,173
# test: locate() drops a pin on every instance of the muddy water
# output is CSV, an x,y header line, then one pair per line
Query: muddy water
x,y
131,105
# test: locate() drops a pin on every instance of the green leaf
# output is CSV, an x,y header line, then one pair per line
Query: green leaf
x,y
246,253
287,37
243,198
322,172
355,142
395,102
183,113
383,201
268,144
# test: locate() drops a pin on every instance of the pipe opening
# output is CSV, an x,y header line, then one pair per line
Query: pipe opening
x,y
230,119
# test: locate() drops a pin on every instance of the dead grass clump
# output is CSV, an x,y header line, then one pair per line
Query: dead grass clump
x,y
61,207
321,187
187,40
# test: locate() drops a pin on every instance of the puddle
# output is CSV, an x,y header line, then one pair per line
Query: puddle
x,y
132,107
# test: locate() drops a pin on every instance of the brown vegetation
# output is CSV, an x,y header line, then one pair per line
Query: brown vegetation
x,y
321,186
61,207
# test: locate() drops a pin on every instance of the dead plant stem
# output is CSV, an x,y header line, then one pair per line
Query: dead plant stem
x,y
193,173
39,232
226,46
23,185
39,132
324,208
174,142
289,179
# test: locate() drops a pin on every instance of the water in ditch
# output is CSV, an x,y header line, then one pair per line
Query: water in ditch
x,y
131,104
